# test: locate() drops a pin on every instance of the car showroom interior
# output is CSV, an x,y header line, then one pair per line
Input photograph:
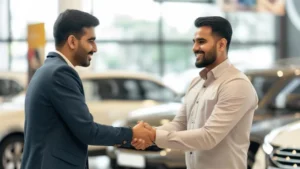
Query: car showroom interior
x,y
143,58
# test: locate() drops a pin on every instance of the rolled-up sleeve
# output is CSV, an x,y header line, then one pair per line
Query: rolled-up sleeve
x,y
235,99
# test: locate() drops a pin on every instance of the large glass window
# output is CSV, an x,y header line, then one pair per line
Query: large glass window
x,y
25,12
3,19
128,34
252,27
130,19
178,58
114,56
19,54
245,56
4,56
178,19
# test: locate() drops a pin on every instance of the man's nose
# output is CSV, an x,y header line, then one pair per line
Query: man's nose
x,y
95,48
195,48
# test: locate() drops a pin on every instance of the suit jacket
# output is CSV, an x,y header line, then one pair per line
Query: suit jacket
x,y
58,124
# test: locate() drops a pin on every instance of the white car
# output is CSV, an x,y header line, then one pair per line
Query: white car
x,y
11,84
110,96
281,148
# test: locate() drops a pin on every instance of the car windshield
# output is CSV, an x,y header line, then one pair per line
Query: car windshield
x,y
263,84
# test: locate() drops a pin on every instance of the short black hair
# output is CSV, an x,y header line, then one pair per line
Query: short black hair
x,y
219,25
72,22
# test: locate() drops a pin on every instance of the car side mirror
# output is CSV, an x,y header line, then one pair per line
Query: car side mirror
x,y
293,102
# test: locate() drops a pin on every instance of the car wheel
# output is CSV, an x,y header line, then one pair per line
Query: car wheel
x,y
11,151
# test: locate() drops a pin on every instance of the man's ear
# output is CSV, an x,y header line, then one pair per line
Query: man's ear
x,y
72,41
222,44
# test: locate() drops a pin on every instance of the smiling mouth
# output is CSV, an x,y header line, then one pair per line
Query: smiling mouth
x,y
199,56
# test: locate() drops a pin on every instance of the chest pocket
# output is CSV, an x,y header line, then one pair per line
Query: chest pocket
x,y
209,100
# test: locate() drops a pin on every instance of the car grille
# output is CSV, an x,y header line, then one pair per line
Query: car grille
x,y
286,158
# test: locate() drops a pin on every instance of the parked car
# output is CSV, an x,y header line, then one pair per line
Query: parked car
x,y
11,84
281,147
278,90
110,96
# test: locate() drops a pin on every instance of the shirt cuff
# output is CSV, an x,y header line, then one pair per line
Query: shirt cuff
x,y
161,139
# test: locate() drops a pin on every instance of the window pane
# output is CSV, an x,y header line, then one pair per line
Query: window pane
x,y
114,56
249,26
252,57
178,58
19,58
19,55
108,89
178,18
3,19
33,11
130,19
90,90
4,56
153,91
130,89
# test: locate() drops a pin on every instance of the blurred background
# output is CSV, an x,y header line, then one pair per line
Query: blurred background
x,y
144,64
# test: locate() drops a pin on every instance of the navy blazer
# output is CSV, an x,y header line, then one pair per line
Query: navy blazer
x,y
58,124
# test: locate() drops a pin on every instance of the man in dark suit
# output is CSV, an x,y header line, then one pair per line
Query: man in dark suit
x,y
58,124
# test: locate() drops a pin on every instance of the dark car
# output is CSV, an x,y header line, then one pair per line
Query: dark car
x,y
278,90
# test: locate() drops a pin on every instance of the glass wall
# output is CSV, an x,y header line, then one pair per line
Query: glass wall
x,y
139,35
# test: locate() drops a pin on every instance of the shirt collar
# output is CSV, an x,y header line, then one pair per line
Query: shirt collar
x,y
215,72
65,58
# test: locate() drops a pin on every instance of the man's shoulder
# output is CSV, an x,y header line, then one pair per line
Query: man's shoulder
x,y
233,73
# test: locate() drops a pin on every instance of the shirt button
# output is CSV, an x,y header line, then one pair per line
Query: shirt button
x,y
191,153
204,86
124,142
197,102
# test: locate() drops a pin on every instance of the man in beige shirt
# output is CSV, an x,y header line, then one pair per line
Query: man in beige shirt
x,y
214,122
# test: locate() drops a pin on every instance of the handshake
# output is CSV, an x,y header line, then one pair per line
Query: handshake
x,y
143,135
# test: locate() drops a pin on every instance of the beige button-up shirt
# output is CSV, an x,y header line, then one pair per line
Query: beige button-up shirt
x,y
214,122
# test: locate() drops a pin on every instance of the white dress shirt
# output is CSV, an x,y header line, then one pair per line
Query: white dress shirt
x,y
214,122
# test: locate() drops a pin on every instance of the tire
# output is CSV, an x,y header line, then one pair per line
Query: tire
x,y
11,151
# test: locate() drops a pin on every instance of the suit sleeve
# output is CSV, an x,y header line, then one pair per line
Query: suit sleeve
x,y
69,103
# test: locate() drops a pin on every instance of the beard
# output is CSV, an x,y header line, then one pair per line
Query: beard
x,y
207,59
82,56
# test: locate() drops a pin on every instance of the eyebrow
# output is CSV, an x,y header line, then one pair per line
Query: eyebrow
x,y
199,39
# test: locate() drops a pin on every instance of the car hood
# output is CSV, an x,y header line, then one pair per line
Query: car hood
x,y
260,129
155,115
168,108
286,136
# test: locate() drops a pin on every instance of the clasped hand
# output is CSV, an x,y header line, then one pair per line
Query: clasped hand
x,y
143,135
